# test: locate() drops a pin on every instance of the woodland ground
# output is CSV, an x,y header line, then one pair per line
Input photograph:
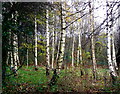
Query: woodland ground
x,y
30,81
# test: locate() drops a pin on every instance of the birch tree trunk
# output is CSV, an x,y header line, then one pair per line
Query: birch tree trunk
x,y
113,29
113,53
47,39
92,40
79,50
15,43
15,46
11,52
53,44
111,66
73,44
11,59
27,51
36,43
8,55
62,38
108,30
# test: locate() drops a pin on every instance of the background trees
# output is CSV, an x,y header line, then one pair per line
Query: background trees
x,y
58,35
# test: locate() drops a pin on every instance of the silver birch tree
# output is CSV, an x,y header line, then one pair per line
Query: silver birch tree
x,y
79,50
91,6
47,39
15,45
113,52
36,43
62,38
53,43
73,48
108,30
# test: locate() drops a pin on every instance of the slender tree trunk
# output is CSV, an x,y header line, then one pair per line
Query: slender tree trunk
x,y
11,59
11,52
113,53
73,44
36,43
16,58
27,57
110,63
93,58
92,40
62,39
113,29
53,44
27,52
8,56
15,46
57,43
58,49
111,66
48,39
79,49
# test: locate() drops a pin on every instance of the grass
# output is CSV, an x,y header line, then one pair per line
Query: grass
x,y
29,80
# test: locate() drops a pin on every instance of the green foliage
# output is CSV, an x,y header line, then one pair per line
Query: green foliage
x,y
42,37
69,81
41,22
86,57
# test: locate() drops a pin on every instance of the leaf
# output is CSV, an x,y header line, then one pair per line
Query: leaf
x,y
79,20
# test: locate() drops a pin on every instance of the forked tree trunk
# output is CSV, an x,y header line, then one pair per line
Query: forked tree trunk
x,y
110,62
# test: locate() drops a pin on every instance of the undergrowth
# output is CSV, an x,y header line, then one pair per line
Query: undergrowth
x,y
70,80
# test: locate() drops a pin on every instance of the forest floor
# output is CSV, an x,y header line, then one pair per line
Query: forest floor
x,y
30,81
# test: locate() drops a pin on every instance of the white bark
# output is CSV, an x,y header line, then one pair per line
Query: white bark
x,y
79,49
8,55
58,49
47,39
15,46
113,53
92,39
62,39
36,42
73,44
11,52
93,57
15,51
111,66
53,44
11,59
110,63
